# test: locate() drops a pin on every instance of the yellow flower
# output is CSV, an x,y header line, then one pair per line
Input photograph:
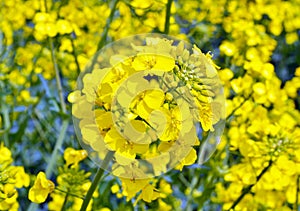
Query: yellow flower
x,y
132,186
21,178
64,26
57,201
169,123
188,160
148,194
126,150
163,206
228,48
259,88
147,102
154,62
115,188
241,173
5,154
8,198
73,156
104,209
165,188
41,188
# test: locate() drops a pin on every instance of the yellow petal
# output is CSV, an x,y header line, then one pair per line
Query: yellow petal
x,y
164,63
41,188
143,110
131,187
154,98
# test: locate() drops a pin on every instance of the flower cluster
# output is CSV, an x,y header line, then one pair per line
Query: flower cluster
x,y
11,179
145,107
72,183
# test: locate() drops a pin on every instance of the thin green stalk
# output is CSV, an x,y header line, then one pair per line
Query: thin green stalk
x,y
68,193
105,32
7,124
236,108
168,15
57,146
106,28
184,180
96,180
249,187
41,132
64,206
57,77
194,182
75,57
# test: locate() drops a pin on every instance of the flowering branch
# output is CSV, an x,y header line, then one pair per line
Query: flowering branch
x,y
242,103
249,187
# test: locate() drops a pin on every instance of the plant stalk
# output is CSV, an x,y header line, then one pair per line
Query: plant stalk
x,y
249,187
168,15
96,180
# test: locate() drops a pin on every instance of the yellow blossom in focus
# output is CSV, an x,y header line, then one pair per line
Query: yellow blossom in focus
x,y
155,62
148,194
131,187
188,160
38,193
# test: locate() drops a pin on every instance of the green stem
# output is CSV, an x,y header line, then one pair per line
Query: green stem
x,y
64,206
57,146
105,32
249,187
96,180
41,132
109,20
7,124
236,108
68,193
75,56
189,206
184,180
58,80
168,15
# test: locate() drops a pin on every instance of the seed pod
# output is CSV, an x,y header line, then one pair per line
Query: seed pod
x,y
201,98
207,81
204,99
207,92
199,87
